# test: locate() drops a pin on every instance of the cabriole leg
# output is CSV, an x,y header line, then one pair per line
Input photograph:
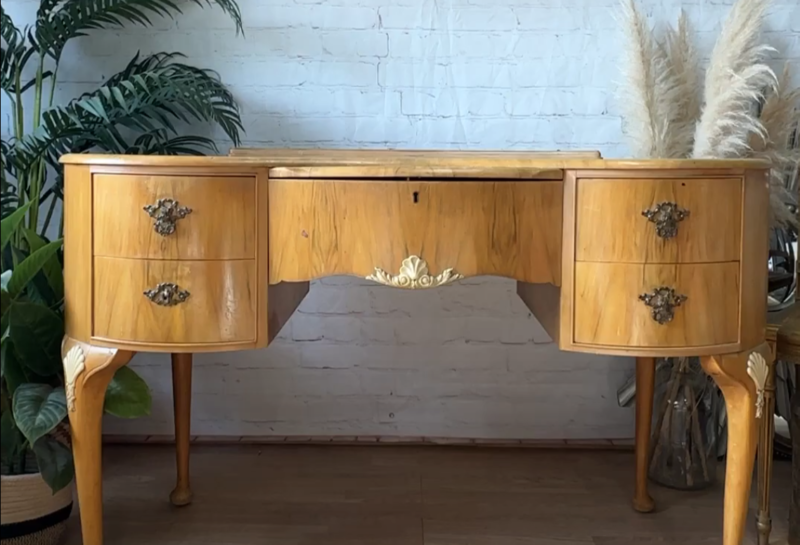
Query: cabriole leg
x,y
182,399
766,439
742,378
88,371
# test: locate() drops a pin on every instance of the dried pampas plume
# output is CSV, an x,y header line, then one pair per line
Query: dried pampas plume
x,y
736,81
652,95
670,113
780,117
683,61
639,99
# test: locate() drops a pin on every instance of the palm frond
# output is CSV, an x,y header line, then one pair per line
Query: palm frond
x,y
14,54
159,142
140,99
72,18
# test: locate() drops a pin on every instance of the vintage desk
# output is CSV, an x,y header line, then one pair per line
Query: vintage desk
x,y
636,258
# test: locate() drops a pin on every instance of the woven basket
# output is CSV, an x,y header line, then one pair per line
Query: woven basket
x,y
30,514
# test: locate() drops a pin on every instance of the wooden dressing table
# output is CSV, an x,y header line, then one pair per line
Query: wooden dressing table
x,y
636,258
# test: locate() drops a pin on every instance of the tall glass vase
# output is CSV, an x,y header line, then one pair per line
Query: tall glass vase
x,y
686,428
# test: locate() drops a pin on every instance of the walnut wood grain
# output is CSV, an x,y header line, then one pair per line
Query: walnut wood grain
x,y
754,260
221,306
421,159
328,227
221,224
78,232
608,310
413,171
710,233
566,226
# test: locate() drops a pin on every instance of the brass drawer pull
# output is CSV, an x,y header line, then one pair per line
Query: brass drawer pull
x,y
166,213
666,216
167,294
663,301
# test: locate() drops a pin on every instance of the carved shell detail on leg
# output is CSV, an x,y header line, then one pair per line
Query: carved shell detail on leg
x,y
74,365
757,369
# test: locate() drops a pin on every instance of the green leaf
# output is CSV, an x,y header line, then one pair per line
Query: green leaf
x,y
5,302
10,438
128,395
10,223
147,95
55,462
53,270
30,267
13,371
37,332
38,409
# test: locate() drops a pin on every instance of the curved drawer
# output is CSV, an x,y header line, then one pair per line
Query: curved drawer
x,y
609,311
320,227
611,227
220,306
221,223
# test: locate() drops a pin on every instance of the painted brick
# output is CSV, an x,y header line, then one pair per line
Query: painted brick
x,y
432,17
355,44
421,44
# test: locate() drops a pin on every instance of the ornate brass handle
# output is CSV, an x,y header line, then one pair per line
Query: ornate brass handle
x,y
663,301
666,216
166,212
167,294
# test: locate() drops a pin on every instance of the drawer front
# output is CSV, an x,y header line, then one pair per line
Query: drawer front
x,y
330,227
609,309
214,301
611,226
214,217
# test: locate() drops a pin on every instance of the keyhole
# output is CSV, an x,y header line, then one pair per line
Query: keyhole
x,y
416,196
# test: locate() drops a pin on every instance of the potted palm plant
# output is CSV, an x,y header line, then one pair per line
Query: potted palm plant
x,y
133,112
37,469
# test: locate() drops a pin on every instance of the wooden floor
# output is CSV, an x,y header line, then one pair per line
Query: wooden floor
x,y
329,495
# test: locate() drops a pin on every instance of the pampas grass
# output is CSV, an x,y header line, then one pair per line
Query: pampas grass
x,y
639,71
671,113
780,119
736,81
683,61
653,97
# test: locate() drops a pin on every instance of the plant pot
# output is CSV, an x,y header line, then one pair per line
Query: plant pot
x,y
30,513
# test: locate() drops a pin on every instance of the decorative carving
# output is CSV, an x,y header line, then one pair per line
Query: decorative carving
x,y
167,294
414,275
74,365
758,370
166,213
666,216
663,301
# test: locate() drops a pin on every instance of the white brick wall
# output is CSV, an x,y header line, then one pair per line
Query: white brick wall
x,y
463,361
